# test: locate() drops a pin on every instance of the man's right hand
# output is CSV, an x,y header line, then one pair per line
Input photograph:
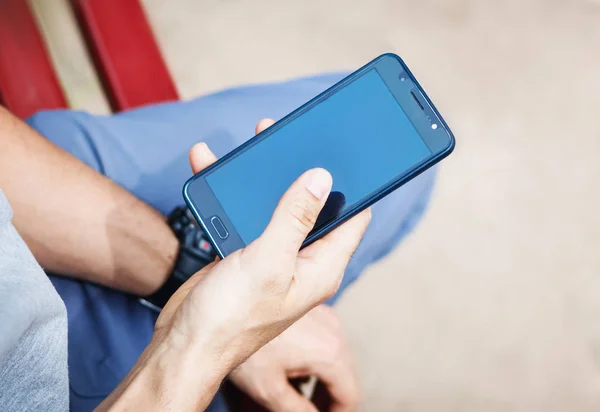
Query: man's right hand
x,y
234,306
243,301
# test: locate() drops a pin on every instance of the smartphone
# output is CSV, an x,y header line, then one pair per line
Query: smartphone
x,y
373,131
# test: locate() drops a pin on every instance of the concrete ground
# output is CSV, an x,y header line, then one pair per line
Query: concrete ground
x,y
494,303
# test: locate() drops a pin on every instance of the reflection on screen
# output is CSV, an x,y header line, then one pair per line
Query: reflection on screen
x,y
360,135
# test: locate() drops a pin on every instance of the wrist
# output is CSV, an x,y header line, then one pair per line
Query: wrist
x,y
165,257
173,373
144,257
194,253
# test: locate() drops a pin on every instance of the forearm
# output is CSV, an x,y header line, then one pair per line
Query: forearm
x,y
76,221
169,376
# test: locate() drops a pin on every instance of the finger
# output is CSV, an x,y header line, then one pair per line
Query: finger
x,y
285,398
296,214
342,386
201,157
338,246
263,124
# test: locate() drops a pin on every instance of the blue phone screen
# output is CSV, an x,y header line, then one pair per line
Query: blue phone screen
x,y
360,135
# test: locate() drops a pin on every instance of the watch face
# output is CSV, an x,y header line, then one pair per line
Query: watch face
x,y
205,246
202,243
195,252
191,238
198,244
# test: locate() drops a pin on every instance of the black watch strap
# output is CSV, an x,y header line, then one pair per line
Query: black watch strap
x,y
159,299
185,266
195,252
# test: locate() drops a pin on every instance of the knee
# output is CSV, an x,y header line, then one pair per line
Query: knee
x,y
68,130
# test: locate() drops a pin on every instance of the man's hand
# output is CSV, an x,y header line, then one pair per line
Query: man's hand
x,y
233,307
312,346
255,293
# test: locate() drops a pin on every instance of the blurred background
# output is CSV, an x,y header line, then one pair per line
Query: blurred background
x,y
493,304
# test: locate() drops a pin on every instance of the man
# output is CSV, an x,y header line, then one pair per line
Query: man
x,y
102,234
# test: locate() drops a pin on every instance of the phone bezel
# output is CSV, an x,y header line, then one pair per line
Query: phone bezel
x,y
391,68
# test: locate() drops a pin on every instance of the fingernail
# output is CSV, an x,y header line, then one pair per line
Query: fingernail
x,y
319,183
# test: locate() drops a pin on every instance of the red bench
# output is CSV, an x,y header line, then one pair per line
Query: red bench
x,y
121,43
125,53
27,79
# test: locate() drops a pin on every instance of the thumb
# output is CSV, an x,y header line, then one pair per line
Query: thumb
x,y
296,213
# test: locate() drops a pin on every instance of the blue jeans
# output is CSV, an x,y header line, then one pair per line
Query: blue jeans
x,y
146,151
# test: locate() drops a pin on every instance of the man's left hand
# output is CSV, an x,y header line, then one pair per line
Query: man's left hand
x,y
314,345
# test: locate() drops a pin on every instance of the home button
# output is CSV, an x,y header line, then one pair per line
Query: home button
x,y
219,227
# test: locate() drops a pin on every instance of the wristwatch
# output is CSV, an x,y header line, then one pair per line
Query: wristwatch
x,y
195,252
